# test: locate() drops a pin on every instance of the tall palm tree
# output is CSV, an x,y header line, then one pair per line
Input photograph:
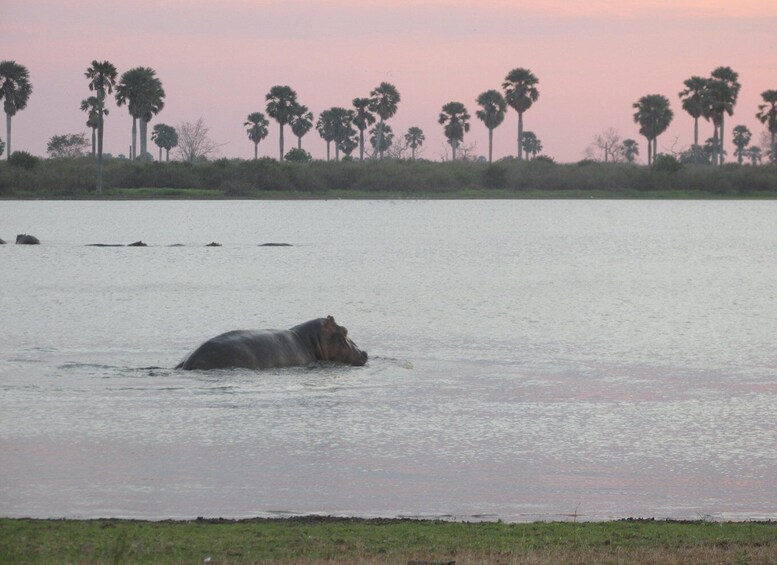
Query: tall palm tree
x,y
521,92
281,103
384,101
334,124
694,101
166,137
102,79
301,122
723,91
257,129
142,91
741,138
492,114
653,116
362,119
415,138
767,114
90,105
455,119
15,91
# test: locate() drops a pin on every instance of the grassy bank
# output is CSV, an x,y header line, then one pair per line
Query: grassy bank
x,y
267,178
329,540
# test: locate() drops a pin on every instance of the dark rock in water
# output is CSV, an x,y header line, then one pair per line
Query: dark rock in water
x,y
177,245
137,244
213,244
104,245
275,245
24,239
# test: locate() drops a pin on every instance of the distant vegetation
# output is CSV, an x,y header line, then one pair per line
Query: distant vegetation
x,y
25,176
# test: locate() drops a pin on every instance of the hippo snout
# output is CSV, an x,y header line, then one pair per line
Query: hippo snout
x,y
362,358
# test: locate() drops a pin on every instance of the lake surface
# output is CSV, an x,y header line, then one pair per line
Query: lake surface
x,y
528,360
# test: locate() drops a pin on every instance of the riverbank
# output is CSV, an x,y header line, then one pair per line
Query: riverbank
x,y
270,179
315,539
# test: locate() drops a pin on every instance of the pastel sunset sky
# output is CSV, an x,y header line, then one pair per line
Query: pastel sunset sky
x,y
217,60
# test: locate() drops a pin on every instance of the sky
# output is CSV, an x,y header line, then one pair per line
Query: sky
x,y
218,59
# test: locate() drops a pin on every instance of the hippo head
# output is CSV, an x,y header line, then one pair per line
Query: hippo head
x,y
335,345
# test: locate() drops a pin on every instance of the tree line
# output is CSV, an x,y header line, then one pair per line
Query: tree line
x,y
709,98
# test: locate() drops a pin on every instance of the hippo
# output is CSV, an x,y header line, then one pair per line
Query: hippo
x,y
317,340
24,239
2,241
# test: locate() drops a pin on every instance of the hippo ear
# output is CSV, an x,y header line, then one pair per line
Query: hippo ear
x,y
329,324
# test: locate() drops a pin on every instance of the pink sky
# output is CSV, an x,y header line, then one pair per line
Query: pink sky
x,y
218,59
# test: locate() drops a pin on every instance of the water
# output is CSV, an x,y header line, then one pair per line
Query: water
x,y
528,360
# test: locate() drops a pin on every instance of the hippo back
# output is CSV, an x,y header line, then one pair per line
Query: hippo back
x,y
250,349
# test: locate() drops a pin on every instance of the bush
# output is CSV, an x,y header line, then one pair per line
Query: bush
x,y
298,155
23,160
666,163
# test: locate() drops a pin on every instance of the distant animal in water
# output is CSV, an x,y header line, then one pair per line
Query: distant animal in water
x,y
317,340
2,241
24,239
137,244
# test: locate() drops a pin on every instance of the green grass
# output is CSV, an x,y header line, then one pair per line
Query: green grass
x,y
313,539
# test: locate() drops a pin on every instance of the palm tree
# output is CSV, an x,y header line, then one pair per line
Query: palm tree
x,y
531,144
694,101
257,129
166,137
767,114
492,114
415,139
741,138
326,128
653,116
754,154
15,91
102,79
521,92
348,144
334,124
630,149
386,138
142,91
90,105
281,104
455,118
362,119
301,122
723,90
384,101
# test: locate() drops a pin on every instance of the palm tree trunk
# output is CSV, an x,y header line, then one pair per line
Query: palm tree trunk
x,y
167,155
721,152
490,143
143,138
160,154
650,151
134,152
655,148
361,145
281,142
696,132
299,142
94,141
773,155
7,136
412,151
256,150
453,147
379,138
100,106
520,136
337,152
327,150
715,145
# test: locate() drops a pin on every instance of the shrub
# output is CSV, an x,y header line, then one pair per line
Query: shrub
x,y
298,156
23,160
666,163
